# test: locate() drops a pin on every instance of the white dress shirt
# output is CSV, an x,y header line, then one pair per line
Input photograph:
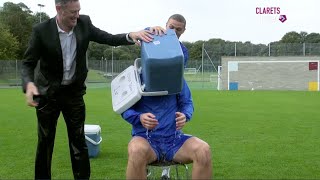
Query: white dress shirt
x,y
68,44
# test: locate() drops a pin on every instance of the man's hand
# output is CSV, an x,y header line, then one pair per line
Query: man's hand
x,y
180,120
31,91
146,35
148,121
157,30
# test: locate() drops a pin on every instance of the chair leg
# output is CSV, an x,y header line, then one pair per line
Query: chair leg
x,y
177,171
148,172
187,171
151,171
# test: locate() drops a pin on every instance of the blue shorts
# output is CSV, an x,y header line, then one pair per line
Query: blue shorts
x,y
166,148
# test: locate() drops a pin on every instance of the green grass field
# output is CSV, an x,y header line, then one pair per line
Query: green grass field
x,y
253,135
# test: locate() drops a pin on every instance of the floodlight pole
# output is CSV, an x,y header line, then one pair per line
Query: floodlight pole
x,y
112,47
41,6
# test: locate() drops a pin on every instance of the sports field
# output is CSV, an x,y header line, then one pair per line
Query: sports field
x,y
253,135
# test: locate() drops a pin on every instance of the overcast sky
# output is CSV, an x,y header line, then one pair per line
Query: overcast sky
x,y
233,20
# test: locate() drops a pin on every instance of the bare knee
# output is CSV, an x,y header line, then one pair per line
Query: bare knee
x,y
139,151
202,153
136,150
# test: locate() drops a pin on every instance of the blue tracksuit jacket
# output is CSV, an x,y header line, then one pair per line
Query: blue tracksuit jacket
x,y
163,107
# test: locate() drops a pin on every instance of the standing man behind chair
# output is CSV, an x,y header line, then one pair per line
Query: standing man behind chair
x,y
156,129
60,45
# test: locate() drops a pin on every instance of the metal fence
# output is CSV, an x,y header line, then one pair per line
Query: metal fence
x,y
200,73
101,72
273,49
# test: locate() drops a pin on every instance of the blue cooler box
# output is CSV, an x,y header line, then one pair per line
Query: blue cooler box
x,y
93,139
162,64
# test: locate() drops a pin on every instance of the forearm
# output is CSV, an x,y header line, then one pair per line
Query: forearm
x,y
131,116
185,101
187,110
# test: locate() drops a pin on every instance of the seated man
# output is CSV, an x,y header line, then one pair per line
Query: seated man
x,y
156,131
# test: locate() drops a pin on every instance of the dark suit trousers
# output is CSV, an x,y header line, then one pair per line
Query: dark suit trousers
x,y
73,109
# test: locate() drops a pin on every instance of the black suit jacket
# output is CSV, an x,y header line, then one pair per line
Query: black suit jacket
x,y
44,46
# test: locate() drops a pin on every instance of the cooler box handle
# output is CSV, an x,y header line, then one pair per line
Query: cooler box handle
x,y
92,141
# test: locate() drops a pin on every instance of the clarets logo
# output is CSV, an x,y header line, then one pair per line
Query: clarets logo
x,y
271,11
282,18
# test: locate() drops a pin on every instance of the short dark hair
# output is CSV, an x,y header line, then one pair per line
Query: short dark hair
x,y
63,2
179,18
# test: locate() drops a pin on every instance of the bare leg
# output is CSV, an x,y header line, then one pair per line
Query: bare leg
x,y
197,151
140,154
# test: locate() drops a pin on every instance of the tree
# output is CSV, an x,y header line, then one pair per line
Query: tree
x,y
130,52
36,17
95,51
8,44
116,53
294,45
291,37
312,38
303,36
195,52
311,48
18,18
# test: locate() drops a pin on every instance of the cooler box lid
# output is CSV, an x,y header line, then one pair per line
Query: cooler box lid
x,y
124,90
91,129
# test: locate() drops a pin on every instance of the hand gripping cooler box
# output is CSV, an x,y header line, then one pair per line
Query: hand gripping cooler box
x,y
93,139
162,64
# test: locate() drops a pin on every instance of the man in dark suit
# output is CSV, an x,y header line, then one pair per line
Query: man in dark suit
x,y
59,46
